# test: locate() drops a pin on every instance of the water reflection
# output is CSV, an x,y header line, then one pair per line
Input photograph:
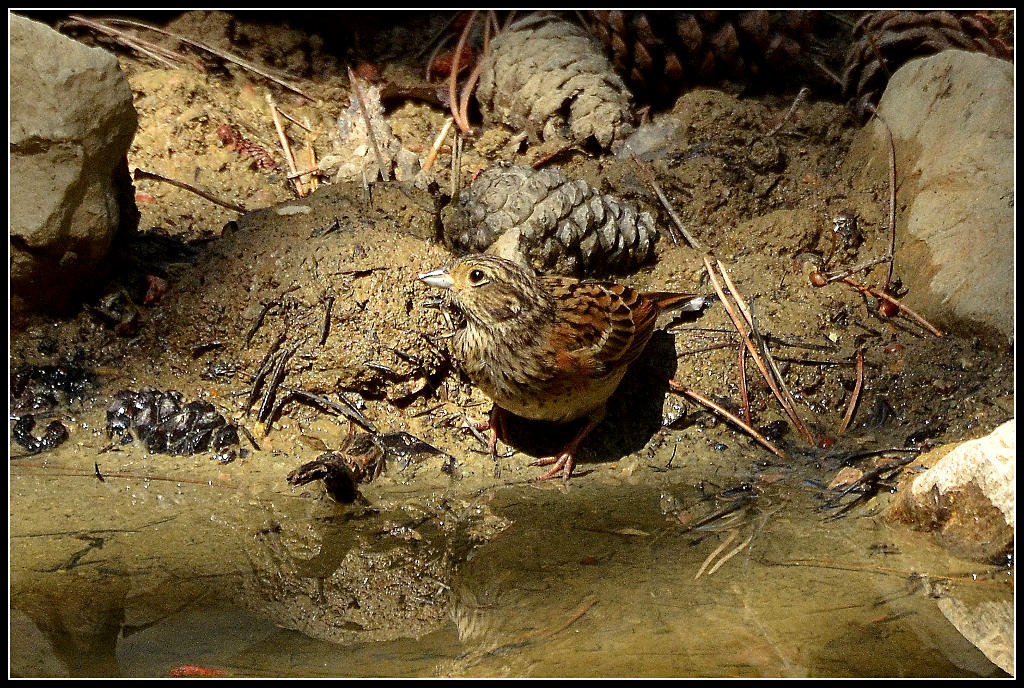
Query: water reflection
x,y
610,579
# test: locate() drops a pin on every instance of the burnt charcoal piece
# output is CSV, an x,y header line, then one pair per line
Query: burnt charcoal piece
x,y
43,388
54,435
334,469
164,425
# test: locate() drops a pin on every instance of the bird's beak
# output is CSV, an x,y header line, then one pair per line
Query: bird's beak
x,y
437,278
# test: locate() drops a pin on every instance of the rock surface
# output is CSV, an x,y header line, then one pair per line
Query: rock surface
x,y
951,117
988,625
967,495
71,122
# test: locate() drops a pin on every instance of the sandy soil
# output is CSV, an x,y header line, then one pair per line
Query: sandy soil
x,y
330,278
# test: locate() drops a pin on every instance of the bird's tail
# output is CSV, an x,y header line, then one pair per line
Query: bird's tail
x,y
675,301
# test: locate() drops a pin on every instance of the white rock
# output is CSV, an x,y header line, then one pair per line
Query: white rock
x,y
989,462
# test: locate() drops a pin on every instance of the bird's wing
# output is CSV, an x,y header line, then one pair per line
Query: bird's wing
x,y
600,326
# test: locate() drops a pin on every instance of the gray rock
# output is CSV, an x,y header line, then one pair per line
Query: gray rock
x,y
951,117
71,123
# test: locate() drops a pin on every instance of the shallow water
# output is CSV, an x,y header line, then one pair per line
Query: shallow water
x,y
130,577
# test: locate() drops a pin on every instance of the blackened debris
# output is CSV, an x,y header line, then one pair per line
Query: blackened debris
x,y
164,424
54,435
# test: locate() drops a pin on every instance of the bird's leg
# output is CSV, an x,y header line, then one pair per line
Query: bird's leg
x,y
566,460
497,425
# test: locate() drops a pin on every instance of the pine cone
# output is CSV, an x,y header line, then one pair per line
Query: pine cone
x,y
662,53
542,218
888,39
547,77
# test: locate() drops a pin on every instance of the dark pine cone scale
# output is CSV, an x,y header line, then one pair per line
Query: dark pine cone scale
x,y
664,52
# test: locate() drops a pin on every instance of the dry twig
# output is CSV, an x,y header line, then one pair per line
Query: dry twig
x,y
787,405
289,157
835,277
143,174
649,176
853,395
878,293
437,143
313,181
164,56
800,98
296,122
743,381
787,397
384,173
222,54
731,416
457,114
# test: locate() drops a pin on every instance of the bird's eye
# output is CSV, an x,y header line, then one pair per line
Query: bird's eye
x,y
476,276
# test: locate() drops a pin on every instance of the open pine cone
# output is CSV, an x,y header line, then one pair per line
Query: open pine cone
x,y
886,40
663,52
553,223
549,78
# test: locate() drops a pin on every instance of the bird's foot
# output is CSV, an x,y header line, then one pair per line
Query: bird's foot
x,y
564,463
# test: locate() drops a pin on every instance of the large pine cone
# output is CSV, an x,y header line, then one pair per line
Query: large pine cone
x,y
547,77
886,40
662,53
554,224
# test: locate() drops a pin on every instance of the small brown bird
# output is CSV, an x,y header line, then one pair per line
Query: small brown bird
x,y
546,347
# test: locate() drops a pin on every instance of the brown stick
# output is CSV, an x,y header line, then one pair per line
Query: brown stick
x,y
787,397
214,51
385,174
467,89
743,381
453,76
575,616
855,395
834,277
490,25
735,419
313,181
296,122
143,174
156,52
864,289
303,173
711,557
649,176
742,329
456,172
299,189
